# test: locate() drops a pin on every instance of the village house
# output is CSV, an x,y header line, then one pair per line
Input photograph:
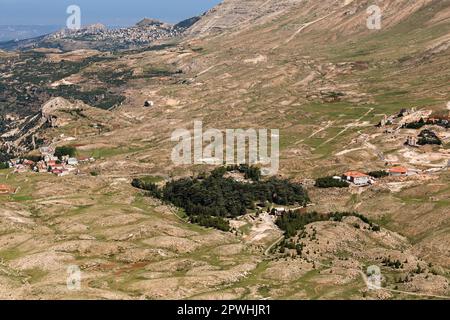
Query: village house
x,y
47,151
5,189
20,168
72,162
28,163
411,141
41,167
50,157
442,118
357,178
51,163
279,211
57,171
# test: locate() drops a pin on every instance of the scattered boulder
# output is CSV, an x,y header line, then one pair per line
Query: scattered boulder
x,y
149,104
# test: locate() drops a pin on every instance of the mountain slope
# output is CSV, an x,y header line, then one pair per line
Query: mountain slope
x,y
345,15
314,71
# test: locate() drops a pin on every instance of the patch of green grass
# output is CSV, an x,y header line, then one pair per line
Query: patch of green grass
x,y
264,291
10,254
306,282
20,198
254,278
245,229
111,152
35,274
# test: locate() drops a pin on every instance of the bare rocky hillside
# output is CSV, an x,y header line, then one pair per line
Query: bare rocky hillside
x,y
311,69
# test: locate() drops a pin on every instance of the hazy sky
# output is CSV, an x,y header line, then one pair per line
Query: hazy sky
x,y
112,12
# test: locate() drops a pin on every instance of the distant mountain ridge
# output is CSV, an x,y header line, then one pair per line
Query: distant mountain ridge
x,y
150,22
18,32
344,14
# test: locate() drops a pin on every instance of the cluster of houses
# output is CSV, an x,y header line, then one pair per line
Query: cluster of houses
x,y
408,116
49,163
397,118
144,33
362,179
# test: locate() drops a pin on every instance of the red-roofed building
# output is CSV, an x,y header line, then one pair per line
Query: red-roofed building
x,y
57,171
357,178
28,162
398,171
5,189
52,163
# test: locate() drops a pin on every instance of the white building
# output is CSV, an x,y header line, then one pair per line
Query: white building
x,y
72,161
357,178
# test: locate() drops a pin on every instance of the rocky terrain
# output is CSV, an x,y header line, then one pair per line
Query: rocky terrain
x,y
311,69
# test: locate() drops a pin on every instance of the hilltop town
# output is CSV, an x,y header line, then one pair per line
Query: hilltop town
x,y
99,37
144,33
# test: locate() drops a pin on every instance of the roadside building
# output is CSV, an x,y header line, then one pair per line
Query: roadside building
x,y
357,178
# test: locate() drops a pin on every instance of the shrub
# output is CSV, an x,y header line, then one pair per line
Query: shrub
x,y
428,137
211,222
65,151
4,165
34,158
151,187
330,182
250,172
378,174
415,125
294,221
